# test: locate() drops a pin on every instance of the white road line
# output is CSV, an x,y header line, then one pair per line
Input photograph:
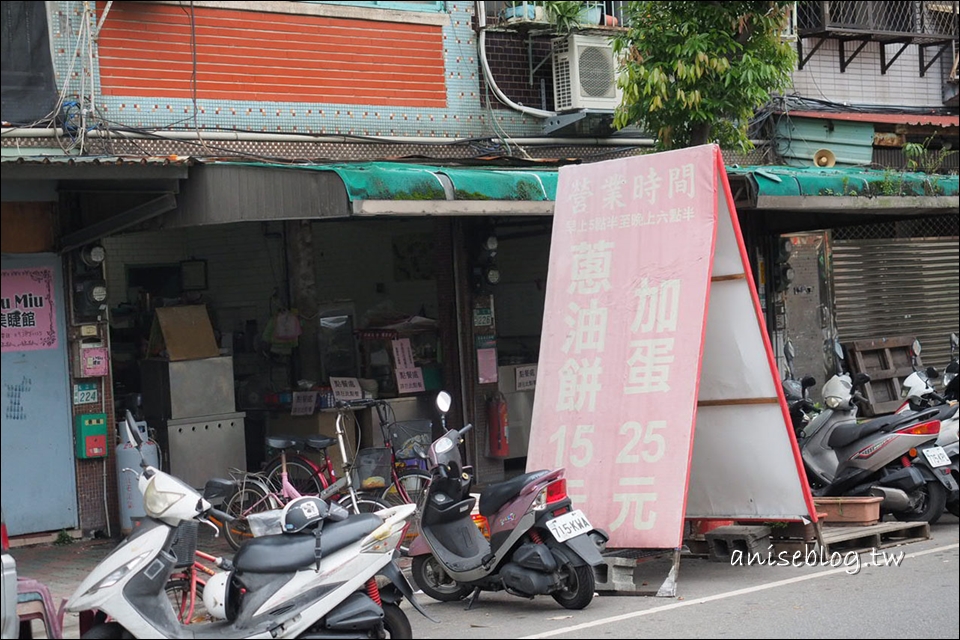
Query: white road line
x,y
721,596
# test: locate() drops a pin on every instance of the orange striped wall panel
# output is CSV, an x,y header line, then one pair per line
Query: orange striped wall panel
x,y
157,50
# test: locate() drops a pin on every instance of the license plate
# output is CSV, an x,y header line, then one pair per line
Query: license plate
x,y
936,456
569,525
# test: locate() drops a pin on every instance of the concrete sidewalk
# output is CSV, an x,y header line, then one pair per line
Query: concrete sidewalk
x,y
63,567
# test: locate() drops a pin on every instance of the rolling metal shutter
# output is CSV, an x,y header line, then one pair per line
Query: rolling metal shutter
x,y
899,287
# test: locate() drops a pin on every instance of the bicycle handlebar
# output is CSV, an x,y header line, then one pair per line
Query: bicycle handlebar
x,y
220,515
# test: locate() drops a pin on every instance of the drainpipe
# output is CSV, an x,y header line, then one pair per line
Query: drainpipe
x,y
488,75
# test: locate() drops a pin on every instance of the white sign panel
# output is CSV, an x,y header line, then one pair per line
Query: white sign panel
x,y
410,380
527,377
403,354
304,403
346,389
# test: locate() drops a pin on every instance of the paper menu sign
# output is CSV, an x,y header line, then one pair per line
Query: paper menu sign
x,y
402,353
346,389
304,403
410,380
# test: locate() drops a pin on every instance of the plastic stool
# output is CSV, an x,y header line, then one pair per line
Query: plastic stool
x,y
35,602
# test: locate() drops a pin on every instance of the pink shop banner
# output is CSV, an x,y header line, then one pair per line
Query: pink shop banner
x,y
656,376
28,315
623,327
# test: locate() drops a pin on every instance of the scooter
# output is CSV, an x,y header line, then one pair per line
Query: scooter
x,y
894,457
919,394
538,544
802,409
318,579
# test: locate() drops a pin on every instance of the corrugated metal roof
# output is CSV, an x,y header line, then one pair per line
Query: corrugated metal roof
x,y
885,118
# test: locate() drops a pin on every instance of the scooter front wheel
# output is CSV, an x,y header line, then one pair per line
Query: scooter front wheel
x,y
106,631
434,580
395,622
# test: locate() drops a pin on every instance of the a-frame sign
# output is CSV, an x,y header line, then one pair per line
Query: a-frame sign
x,y
657,388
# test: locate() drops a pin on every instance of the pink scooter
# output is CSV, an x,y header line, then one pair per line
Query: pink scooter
x,y
539,544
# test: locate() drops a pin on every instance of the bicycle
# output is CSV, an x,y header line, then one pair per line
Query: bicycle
x,y
256,494
307,476
186,584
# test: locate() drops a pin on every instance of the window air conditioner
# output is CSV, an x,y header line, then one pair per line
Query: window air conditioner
x,y
584,73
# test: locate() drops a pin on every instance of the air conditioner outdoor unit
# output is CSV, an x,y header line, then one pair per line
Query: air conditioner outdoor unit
x,y
584,73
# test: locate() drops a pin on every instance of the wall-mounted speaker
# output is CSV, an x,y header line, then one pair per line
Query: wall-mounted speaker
x,y
824,158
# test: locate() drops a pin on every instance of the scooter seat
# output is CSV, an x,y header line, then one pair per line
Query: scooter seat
x,y
849,433
279,553
286,552
497,495
337,535
947,411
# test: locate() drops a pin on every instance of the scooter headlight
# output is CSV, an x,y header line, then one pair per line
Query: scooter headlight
x,y
118,575
833,401
948,378
156,502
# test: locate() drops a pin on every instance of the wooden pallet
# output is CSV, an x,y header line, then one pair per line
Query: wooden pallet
x,y
874,536
854,538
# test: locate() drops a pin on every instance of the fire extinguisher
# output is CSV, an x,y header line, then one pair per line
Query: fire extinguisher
x,y
497,426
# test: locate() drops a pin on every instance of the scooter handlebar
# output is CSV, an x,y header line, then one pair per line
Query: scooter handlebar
x,y
464,430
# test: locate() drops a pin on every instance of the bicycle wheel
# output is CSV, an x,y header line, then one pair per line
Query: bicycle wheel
x,y
412,483
178,591
248,499
301,473
408,487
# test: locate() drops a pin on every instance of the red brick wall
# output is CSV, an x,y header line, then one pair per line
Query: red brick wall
x,y
147,50
91,475
510,65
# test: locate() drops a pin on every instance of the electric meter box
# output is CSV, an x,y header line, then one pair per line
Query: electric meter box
x,y
91,430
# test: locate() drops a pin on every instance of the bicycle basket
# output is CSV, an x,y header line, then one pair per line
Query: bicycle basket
x,y
184,545
372,468
407,433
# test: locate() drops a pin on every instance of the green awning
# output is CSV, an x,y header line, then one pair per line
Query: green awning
x,y
401,181
844,181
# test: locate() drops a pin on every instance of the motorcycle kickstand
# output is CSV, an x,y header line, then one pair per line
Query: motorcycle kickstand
x,y
473,598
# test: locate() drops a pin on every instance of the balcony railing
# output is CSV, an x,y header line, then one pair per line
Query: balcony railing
x,y
890,20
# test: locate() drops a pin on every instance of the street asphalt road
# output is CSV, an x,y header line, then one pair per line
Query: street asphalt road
x,y
917,599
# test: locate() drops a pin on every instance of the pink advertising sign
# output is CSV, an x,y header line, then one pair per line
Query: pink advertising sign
x,y
28,315
627,293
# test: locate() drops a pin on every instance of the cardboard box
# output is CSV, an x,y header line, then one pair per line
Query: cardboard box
x,y
182,333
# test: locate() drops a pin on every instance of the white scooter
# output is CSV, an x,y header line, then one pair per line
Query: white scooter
x,y
919,394
316,580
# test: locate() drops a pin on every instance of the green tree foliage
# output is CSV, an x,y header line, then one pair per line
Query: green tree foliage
x,y
695,72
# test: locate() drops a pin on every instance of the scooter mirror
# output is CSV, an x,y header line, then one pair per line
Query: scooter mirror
x,y
915,348
837,349
953,341
788,351
443,401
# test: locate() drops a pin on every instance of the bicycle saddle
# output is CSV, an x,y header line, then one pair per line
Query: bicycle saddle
x,y
320,442
279,442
